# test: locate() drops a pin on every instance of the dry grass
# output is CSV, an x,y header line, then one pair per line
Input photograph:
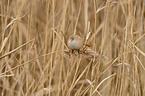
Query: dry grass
x,y
35,60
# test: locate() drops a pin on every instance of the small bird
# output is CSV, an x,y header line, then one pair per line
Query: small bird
x,y
75,42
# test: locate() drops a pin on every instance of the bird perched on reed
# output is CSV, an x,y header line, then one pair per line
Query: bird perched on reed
x,y
75,42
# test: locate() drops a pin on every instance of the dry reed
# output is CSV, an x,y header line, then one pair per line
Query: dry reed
x,y
35,60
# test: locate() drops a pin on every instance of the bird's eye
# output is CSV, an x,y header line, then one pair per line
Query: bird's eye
x,y
72,39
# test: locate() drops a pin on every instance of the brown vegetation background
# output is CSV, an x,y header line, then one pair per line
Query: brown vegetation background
x,y
33,34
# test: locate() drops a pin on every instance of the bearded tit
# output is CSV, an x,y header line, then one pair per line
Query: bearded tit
x,y
75,42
